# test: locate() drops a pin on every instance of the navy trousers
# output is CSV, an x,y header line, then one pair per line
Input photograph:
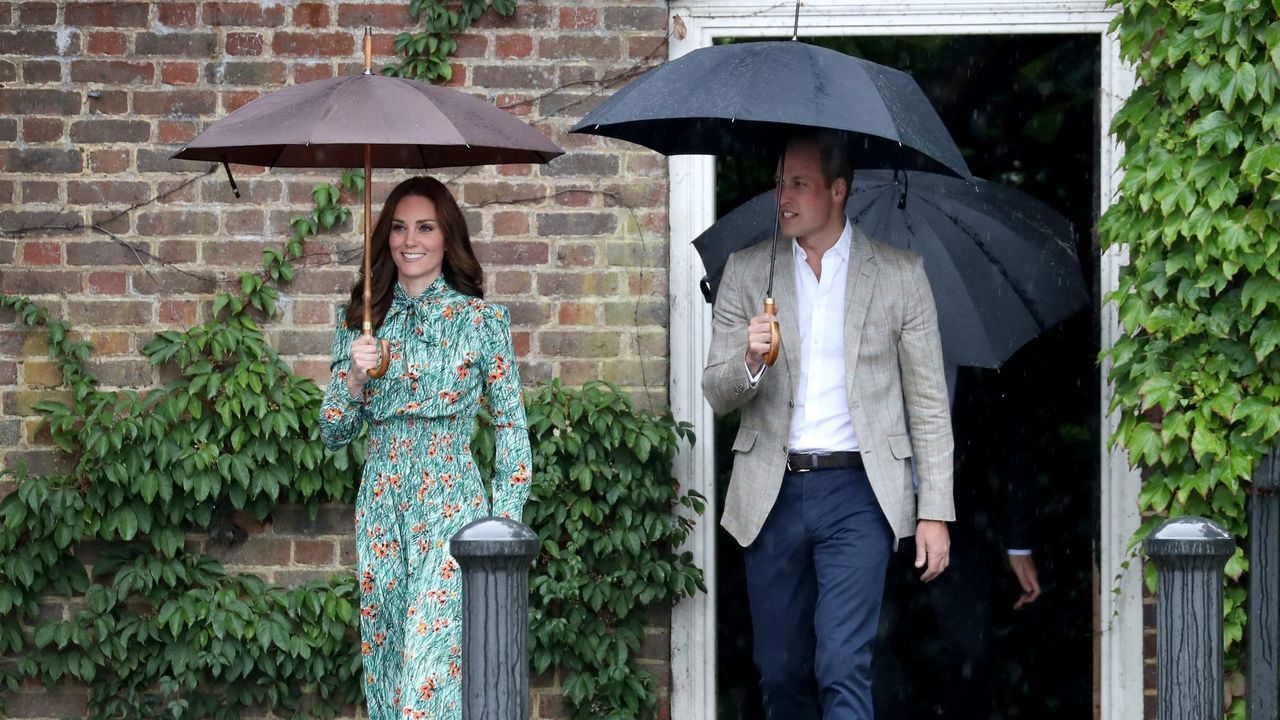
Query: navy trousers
x,y
815,578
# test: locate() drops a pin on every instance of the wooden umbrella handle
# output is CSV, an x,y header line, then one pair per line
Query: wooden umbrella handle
x,y
775,333
384,347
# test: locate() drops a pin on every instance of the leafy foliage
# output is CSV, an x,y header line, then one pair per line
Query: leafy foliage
x,y
425,53
1197,373
157,630
602,504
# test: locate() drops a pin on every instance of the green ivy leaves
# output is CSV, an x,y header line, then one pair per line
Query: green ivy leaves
x,y
610,519
1197,373
425,54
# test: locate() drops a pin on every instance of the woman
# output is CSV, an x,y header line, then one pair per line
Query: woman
x,y
451,352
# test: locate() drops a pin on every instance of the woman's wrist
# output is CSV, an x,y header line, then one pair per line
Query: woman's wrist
x,y
355,388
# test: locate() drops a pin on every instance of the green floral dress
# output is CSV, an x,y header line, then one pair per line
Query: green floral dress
x,y
450,354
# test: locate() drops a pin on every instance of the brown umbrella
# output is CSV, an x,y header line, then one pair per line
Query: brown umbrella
x,y
374,120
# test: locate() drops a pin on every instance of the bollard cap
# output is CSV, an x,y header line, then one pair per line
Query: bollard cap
x,y
1189,536
494,537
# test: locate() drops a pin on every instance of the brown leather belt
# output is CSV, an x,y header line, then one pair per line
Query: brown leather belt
x,y
806,462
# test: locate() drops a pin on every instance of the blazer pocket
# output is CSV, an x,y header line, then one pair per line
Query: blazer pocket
x,y
745,440
900,446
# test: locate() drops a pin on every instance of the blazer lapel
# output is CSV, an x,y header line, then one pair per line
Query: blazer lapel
x,y
784,292
861,281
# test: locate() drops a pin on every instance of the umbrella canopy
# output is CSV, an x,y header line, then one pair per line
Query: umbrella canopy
x,y
1002,264
748,98
405,124
374,121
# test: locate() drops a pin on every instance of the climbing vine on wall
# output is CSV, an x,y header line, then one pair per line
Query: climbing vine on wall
x,y
1197,372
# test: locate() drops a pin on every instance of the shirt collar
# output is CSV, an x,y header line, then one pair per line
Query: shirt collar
x,y
400,299
841,248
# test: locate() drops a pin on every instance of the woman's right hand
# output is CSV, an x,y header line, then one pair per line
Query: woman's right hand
x,y
364,356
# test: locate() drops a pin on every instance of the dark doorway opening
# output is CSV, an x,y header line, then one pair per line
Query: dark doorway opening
x,y
1024,110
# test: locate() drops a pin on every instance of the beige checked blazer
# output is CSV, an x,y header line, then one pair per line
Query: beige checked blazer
x,y
894,382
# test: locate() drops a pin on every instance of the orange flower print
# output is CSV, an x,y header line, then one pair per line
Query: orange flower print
x,y
366,649
450,509
366,582
521,475
333,413
447,314
448,569
385,550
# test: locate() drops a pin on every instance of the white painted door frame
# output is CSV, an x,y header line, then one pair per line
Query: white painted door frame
x,y
694,24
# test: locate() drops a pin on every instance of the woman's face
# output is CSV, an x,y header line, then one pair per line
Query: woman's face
x,y
417,243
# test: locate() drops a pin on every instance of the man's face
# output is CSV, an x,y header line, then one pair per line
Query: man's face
x,y
808,203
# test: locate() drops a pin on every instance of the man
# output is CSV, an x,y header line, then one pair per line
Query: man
x,y
995,504
822,482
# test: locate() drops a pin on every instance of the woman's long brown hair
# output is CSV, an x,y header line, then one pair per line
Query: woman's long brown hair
x,y
460,268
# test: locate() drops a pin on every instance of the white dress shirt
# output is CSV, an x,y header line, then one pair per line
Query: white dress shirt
x,y
820,420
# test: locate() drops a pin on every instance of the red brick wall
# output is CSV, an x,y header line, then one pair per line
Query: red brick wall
x,y
101,227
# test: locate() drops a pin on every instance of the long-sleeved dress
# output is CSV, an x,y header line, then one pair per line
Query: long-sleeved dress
x,y
450,353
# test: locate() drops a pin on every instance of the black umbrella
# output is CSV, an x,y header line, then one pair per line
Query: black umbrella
x,y
1002,264
750,98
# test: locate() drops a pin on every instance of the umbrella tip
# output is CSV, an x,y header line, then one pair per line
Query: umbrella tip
x,y
230,178
795,27
368,50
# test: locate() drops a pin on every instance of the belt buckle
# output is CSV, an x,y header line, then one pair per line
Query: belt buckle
x,y
796,470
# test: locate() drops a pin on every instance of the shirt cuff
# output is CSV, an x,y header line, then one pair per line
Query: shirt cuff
x,y
346,393
1019,551
754,380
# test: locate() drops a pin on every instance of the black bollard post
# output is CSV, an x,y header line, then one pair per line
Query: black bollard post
x,y
495,555
1263,685
1190,554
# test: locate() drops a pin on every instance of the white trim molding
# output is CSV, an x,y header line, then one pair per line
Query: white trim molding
x,y
695,24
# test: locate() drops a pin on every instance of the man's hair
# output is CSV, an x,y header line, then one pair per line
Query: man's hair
x,y
833,154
